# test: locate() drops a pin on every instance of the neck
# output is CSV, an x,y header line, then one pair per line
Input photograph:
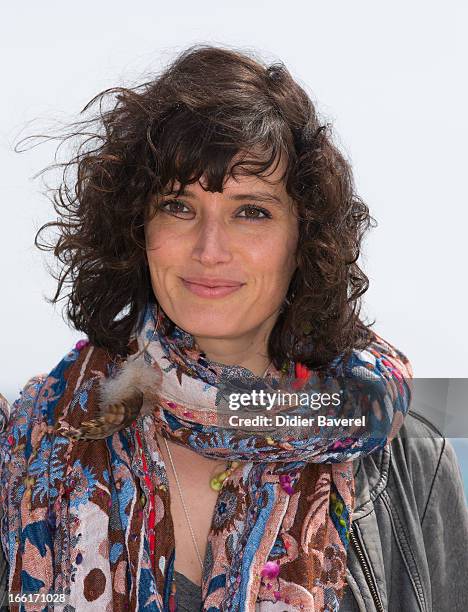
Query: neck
x,y
251,354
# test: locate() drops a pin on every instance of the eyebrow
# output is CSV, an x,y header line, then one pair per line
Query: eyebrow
x,y
263,196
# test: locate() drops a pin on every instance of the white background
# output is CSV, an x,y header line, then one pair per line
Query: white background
x,y
391,78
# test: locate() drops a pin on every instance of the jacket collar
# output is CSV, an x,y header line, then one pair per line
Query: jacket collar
x,y
371,476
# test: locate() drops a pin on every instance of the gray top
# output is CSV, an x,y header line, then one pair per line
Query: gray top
x,y
188,594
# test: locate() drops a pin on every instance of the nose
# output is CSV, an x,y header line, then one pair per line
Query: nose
x,y
211,245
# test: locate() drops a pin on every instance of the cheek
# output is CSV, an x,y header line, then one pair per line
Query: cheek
x,y
160,256
275,257
162,245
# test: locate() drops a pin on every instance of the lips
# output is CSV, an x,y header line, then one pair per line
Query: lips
x,y
211,288
212,282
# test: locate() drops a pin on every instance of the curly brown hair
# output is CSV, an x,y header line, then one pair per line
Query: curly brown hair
x,y
206,107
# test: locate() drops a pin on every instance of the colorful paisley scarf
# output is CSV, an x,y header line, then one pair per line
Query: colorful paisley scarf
x,y
88,514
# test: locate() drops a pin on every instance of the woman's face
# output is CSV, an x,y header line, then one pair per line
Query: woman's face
x,y
245,237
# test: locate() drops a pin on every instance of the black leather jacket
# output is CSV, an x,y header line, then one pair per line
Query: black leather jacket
x,y
409,542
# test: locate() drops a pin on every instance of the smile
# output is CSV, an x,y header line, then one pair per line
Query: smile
x,y
210,292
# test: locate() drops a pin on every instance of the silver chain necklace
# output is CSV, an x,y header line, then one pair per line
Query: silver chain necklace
x,y
184,506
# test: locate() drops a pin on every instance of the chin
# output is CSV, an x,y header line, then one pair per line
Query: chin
x,y
211,325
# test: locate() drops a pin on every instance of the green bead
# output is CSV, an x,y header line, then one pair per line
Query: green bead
x,y
215,484
342,522
339,508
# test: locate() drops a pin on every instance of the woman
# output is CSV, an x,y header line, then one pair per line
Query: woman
x,y
210,242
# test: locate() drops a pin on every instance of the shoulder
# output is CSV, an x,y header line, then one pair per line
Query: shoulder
x,y
418,447
48,398
419,438
429,458
35,399
409,465
31,416
27,395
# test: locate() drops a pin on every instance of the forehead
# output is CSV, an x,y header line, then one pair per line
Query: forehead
x,y
241,177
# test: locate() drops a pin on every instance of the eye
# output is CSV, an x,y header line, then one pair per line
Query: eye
x,y
253,213
173,207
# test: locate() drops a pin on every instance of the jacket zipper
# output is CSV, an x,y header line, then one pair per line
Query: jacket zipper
x,y
372,586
